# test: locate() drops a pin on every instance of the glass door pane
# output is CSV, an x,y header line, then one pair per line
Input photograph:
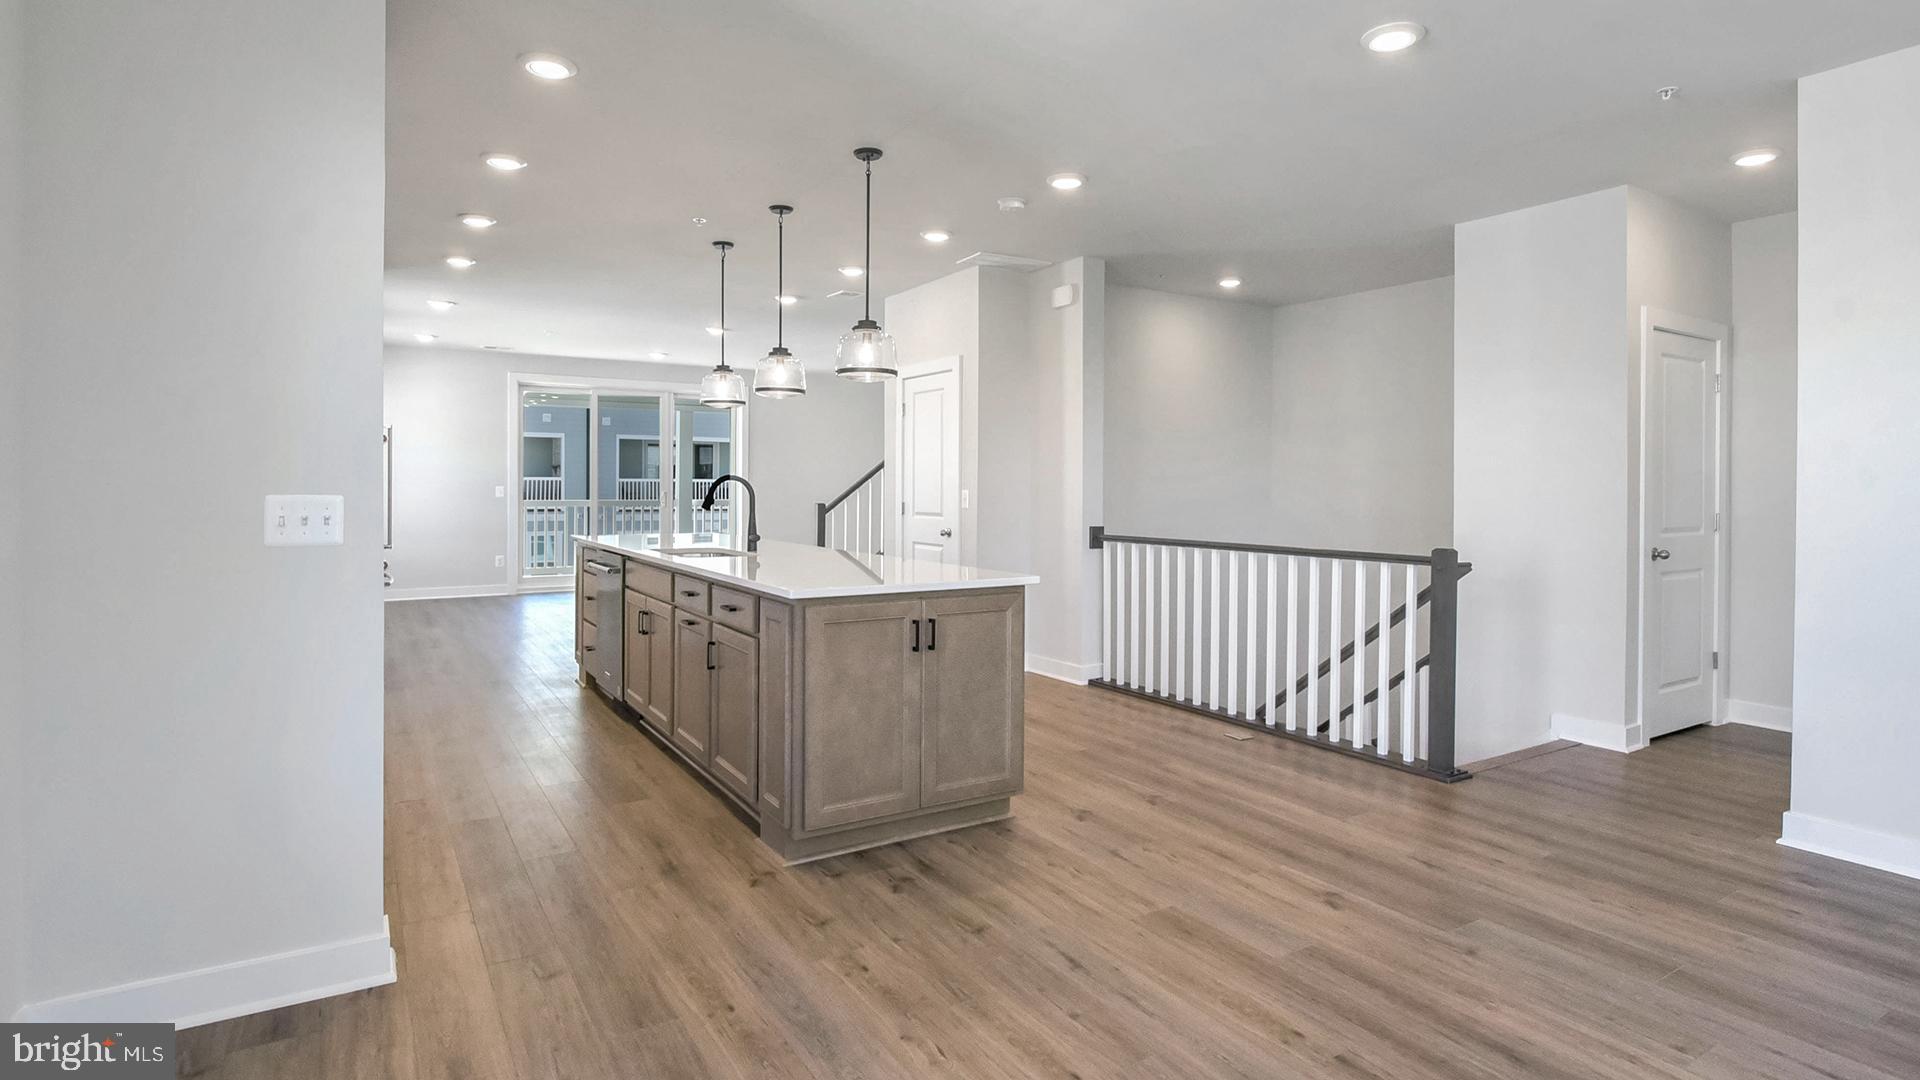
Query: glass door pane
x,y
630,490
705,441
556,472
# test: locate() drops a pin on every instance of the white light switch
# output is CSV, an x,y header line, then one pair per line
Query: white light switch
x,y
499,491
305,520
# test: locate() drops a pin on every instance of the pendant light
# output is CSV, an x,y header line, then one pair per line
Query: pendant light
x,y
867,353
779,374
723,388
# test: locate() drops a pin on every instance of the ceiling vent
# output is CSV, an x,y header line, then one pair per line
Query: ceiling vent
x,y
1010,262
843,292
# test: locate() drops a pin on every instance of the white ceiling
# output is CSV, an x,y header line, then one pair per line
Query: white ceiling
x,y
1253,137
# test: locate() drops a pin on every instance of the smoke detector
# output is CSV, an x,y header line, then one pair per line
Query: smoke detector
x,y
1011,203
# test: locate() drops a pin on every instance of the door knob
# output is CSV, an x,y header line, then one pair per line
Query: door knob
x,y
1661,553
946,532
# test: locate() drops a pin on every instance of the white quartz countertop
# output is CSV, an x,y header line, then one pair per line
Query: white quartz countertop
x,y
799,572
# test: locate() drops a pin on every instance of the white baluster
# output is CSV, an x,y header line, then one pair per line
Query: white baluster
x,y
1382,699
1293,639
1166,589
1273,626
1194,670
1106,612
1359,654
1213,638
1148,596
1407,660
1333,654
1233,627
1133,608
1426,712
1253,632
1180,624
1313,647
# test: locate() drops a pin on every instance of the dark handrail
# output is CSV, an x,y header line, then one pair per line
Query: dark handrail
x,y
821,510
1097,536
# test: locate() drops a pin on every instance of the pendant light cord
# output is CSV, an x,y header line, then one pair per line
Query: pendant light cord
x,y
723,307
780,287
867,308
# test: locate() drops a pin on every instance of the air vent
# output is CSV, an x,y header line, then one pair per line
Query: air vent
x,y
1010,262
843,292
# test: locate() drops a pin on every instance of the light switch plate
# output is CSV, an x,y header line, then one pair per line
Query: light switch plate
x,y
306,520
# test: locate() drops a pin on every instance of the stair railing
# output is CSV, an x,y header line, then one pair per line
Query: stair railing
x,y
853,520
1278,639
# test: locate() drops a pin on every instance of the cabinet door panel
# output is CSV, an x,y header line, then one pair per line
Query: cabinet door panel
x,y
860,752
659,707
639,669
736,711
972,697
692,686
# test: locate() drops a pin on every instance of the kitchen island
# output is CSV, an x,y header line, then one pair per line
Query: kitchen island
x,y
840,701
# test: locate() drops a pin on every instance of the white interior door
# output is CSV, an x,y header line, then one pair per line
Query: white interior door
x,y
1679,603
930,464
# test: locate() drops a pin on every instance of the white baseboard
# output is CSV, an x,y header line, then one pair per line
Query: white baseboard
x,y
1854,843
1754,714
450,592
1623,740
1078,674
224,991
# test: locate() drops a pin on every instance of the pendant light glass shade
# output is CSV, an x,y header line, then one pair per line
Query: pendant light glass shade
x,y
723,388
779,375
867,352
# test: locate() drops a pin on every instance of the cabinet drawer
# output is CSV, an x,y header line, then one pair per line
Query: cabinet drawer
x,y
650,580
690,593
736,609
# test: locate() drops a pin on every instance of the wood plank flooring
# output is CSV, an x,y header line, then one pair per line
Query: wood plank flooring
x,y
1166,902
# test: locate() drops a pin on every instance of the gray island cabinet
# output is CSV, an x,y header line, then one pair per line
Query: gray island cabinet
x,y
841,702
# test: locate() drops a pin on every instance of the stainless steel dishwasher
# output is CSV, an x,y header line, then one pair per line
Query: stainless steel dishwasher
x,y
604,660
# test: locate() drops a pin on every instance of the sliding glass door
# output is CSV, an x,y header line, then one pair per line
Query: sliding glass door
x,y
604,459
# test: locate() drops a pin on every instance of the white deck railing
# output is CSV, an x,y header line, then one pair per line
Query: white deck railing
x,y
547,526
542,488
647,490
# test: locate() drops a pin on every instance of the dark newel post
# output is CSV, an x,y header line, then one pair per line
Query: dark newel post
x,y
1096,537
820,524
1443,651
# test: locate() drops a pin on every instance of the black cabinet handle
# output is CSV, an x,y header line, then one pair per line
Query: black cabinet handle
x,y
933,634
916,635
688,622
710,662
689,592
586,648
729,607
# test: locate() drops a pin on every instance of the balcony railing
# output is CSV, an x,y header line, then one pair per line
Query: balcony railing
x,y
542,488
547,526
647,490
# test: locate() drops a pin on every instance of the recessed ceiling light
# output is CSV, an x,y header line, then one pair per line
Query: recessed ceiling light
x,y
443,305
1393,36
788,299
852,271
1229,282
1010,203
716,331
460,262
478,221
1756,157
424,338
699,222
504,162
936,236
543,65
1066,181
656,355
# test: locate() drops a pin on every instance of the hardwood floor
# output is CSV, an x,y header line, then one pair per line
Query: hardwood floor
x,y
1166,902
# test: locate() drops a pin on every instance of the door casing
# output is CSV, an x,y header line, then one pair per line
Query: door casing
x,y
1652,321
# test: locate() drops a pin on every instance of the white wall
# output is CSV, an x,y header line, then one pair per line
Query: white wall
x,y
1189,422
12,579
449,409
1761,388
204,712
1856,584
1360,432
1539,466
939,320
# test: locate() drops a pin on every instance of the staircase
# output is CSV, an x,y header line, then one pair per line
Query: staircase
x,y
853,521
1271,639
